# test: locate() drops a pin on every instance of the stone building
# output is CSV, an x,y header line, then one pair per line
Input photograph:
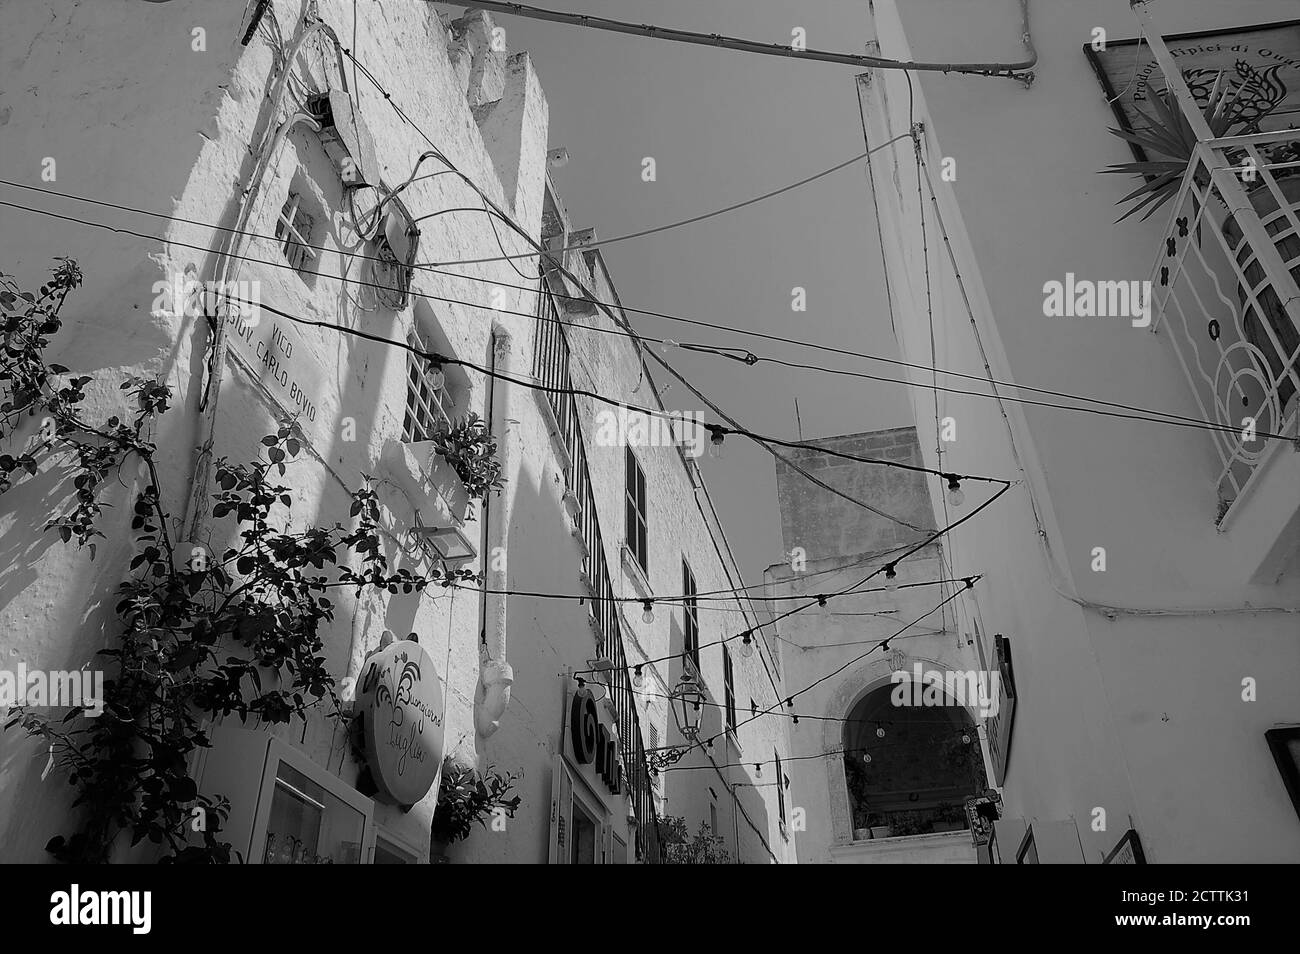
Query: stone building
x,y
878,782
1141,581
326,157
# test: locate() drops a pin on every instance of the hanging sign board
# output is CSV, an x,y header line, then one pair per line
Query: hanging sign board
x,y
401,702
593,743
1260,66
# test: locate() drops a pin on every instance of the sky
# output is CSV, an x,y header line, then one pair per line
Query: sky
x,y
723,126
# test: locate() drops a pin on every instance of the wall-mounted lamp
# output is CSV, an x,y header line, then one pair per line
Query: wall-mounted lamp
x,y
449,542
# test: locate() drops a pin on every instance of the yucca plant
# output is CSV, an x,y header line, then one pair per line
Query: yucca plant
x,y
1168,135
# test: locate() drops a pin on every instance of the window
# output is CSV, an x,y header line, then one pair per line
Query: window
x,y
780,787
635,517
729,685
691,608
428,399
390,853
309,825
582,837
294,230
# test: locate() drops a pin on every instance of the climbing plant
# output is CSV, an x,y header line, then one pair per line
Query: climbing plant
x,y
200,634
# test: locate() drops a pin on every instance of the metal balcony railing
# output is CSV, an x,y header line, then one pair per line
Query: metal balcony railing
x,y
1224,292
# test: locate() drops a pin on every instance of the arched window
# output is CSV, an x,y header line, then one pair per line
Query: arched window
x,y
909,769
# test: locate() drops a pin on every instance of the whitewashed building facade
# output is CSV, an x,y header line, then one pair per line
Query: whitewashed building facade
x,y
252,145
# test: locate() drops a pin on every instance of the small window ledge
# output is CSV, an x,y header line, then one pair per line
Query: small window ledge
x,y
635,573
427,479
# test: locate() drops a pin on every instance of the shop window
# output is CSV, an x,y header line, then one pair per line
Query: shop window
x,y
284,807
582,836
308,825
635,522
388,853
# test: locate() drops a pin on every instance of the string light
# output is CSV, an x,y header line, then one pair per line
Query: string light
x,y
747,646
436,377
956,496
648,616
891,578
638,679
716,437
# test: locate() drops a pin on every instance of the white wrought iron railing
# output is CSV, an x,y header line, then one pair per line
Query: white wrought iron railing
x,y
1224,292
1224,285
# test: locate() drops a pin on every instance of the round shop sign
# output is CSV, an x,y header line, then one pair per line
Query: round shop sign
x,y
402,706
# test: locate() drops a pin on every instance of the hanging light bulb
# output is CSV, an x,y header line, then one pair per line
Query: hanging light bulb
x,y
436,378
648,616
638,680
880,731
891,577
715,443
758,769
956,496
747,646
795,719
666,344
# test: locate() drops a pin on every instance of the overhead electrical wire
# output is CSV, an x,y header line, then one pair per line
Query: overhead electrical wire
x,y
588,246
1016,70
884,643
1166,417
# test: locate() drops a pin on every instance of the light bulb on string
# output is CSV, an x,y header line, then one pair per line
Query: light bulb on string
x,y
716,438
747,646
648,611
638,679
667,344
956,496
891,578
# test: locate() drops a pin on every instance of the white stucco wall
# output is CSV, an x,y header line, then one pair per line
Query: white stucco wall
x,y
1141,715
171,132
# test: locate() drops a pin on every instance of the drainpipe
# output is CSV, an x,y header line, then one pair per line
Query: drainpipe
x,y
495,674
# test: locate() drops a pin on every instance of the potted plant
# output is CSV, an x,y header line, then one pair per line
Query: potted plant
x,y
468,446
1170,144
465,797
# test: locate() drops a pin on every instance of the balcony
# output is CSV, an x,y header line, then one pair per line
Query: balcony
x,y
1224,294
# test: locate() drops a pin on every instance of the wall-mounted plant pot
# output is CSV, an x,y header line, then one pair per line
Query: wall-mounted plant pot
x,y
449,486
861,834
426,477
881,831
